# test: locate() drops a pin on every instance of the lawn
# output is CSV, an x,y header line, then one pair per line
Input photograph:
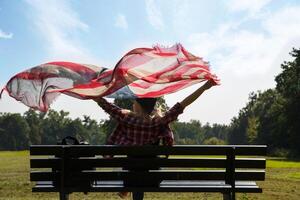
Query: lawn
x,y
282,182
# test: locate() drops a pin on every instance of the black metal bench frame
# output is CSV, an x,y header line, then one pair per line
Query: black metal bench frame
x,y
83,168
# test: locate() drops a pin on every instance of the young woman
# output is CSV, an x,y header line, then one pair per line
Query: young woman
x,y
141,126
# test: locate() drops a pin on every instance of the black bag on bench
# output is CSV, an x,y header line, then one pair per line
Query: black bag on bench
x,y
69,140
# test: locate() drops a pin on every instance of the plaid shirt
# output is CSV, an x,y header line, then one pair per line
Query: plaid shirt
x,y
134,130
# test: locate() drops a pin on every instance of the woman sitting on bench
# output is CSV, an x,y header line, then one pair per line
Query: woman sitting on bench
x,y
143,126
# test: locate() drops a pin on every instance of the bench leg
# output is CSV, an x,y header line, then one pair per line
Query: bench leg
x,y
137,195
229,196
63,196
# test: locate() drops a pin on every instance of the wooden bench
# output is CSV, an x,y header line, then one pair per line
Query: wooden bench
x,y
227,169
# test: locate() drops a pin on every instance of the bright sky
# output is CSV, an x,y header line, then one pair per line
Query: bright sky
x,y
245,42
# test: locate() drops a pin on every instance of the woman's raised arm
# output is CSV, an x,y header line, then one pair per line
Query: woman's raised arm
x,y
192,97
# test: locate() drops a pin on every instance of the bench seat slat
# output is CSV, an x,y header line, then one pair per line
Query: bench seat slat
x,y
165,186
45,188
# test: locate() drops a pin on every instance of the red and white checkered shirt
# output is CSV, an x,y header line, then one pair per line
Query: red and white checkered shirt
x,y
134,130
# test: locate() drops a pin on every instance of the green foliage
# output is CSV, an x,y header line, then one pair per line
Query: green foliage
x,y
194,133
188,132
288,82
14,132
216,130
18,132
50,128
280,152
288,85
34,121
94,131
251,131
272,117
214,141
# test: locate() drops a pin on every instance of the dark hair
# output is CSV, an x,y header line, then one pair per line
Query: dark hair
x,y
147,104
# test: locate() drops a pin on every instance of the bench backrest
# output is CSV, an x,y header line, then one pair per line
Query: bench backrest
x,y
80,163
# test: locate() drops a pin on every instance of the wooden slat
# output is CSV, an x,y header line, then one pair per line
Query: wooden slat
x,y
248,189
44,176
148,162
169,175
146,150
45,188
46,149
165,150
257,150
251,163
76,150
45,163
85,163
254,175
179,187
157,175
244,185
82,163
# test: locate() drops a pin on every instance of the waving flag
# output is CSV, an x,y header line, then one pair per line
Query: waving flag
x,y
141,73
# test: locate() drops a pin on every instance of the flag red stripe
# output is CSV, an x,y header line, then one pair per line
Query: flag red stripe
x,y
74,67
165,90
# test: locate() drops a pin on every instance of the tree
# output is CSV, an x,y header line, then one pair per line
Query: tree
x,y
216,130
252,129
288,85
94,130
14,132
188,132
272,117
34,121
53,126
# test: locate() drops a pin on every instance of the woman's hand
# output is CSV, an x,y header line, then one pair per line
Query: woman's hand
x,y
192,97
209,84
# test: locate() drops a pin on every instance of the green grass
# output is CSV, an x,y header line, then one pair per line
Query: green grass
x,y
282,182
282,163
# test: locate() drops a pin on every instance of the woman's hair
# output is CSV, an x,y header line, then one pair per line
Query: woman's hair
x,y
147,104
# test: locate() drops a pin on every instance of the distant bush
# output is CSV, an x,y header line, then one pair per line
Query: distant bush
x,y
280,152
214,141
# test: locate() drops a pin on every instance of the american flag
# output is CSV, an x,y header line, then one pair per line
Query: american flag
x,y
141,73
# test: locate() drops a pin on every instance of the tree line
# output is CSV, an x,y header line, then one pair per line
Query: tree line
x,y
18,131
270,117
